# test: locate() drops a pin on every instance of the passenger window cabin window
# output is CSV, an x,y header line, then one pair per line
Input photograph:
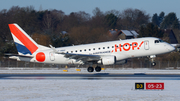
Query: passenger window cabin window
x,y
71,51
89,49
76,51
93,48
108,47
67,52
80,50
99,48
84,49
103,47
112,46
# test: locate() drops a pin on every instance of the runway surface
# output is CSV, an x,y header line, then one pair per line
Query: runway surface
x,y
116,85
92,76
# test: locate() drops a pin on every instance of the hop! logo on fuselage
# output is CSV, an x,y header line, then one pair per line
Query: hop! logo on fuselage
x,y
127,46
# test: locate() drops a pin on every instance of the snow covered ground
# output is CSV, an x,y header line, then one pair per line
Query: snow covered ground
x,y
85,90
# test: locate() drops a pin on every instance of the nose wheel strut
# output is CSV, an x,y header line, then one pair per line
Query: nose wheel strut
x,y
152,57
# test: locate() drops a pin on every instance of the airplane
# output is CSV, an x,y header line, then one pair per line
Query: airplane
x,y
104,53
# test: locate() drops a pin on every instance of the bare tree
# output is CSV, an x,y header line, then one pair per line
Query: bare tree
x,y
42,39
134,18
48,20
84,35
97,12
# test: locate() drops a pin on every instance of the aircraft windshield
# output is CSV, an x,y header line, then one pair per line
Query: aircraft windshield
x,y
161,41
158,41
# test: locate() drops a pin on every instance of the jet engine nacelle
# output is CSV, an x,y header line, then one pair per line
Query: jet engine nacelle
x,y
121,62
108,60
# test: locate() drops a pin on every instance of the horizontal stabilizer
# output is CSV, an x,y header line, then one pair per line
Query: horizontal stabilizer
x,y
18,55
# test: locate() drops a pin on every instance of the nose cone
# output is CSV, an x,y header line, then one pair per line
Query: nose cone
x,y
171,48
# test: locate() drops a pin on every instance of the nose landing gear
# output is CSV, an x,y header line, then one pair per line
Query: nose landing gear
x,y
153,63
152,57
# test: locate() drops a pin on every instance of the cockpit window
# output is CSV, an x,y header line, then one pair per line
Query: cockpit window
x,y
156,41
161,41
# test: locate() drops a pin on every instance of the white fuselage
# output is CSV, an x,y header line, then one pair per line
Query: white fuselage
x,y
130,48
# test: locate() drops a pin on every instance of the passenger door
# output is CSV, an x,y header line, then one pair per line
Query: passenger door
x,y
146,45
52,56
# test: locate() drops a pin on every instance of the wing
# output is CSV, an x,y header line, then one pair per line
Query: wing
x,y
82,57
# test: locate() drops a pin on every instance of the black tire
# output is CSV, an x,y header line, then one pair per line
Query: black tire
x,y
153,64
90,69
98,69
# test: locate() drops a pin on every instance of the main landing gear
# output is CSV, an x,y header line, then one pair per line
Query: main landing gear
x,y
91,69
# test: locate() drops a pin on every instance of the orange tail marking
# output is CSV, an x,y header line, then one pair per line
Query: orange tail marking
x,y
23,38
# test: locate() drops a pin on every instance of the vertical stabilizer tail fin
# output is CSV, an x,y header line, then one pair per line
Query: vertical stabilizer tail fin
x,y
24,43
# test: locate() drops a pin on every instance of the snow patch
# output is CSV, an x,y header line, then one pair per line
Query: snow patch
x,y
85,90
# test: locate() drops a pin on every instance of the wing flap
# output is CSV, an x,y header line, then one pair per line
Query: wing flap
x,y
82,57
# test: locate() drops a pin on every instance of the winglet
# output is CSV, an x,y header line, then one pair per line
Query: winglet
x,y
54,49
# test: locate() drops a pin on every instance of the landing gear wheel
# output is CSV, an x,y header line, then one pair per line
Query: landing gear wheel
x,y
153,63
98,69
90,69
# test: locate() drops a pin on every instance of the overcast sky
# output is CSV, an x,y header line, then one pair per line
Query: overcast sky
x,y
68,6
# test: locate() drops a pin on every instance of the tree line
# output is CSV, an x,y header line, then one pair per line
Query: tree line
x,y
48,26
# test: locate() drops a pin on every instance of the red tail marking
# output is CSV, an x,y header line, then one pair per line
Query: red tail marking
x,y
140,45
24,39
